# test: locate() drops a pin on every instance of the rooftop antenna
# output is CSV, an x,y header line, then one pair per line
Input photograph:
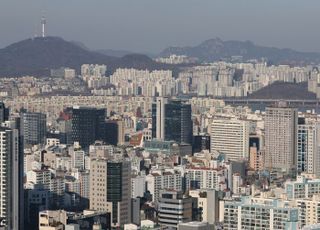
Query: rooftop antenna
x,y
43,24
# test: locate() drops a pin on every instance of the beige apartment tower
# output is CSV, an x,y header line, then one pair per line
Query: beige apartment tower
x,y
280,137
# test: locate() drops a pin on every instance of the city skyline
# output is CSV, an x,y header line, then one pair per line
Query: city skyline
x,y
214,132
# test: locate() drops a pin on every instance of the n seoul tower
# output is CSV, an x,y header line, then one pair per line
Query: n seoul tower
x,y
43,23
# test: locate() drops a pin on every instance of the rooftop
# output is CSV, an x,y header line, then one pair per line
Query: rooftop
x,y
194,224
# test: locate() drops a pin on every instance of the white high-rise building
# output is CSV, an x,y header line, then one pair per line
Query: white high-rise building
x,y
160,117
138,186
160,180
259,213
207,178
308,141
231,137
281,137
39,178
77,157
84,179
11,181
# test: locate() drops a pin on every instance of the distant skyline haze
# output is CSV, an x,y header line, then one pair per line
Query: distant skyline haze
x,y
150,26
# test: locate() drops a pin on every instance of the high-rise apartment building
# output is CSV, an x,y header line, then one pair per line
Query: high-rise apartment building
x,y
281,137
207,178
309,210
260,213
159,180
11,180
302,188
308,141
110,189
33,128
230,137
87,124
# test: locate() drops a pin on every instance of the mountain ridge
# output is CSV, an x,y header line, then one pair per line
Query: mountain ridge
x,y
38,55
216,49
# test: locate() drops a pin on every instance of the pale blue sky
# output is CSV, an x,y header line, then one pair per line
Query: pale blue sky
x,y
151,25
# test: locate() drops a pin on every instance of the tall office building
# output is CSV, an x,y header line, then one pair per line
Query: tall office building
x,y
33,128
208,203
308,141
200,142
112,132
171,120
87,125
174,208
11,180
110,189
178,122
158,118
280,137
4,112
231,137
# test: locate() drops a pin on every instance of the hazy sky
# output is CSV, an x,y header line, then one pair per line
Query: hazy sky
x,y
151,25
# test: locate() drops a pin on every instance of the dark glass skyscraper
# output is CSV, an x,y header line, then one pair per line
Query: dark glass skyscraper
x,y
178,122
154,120
87,125
111,132
33,128
4,112
201,142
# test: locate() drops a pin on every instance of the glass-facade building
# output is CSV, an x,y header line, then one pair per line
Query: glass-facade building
x,y
87,125
178,122
33,128
110,189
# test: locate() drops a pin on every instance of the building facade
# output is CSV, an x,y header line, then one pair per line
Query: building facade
x,y
110,189
308,139
280,137
178,122
174,208
11,182
258,213
33,128
231,137
87,125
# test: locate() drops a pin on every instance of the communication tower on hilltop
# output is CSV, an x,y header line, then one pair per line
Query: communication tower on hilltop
x,y
43,24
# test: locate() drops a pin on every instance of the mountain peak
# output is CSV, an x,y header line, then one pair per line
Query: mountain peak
x,y
216,49
38,55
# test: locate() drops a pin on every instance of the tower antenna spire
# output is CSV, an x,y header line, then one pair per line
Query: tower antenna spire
x,y
43,25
